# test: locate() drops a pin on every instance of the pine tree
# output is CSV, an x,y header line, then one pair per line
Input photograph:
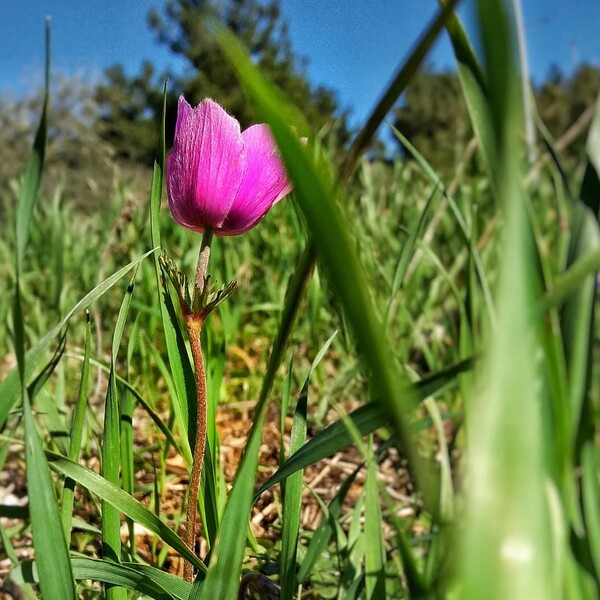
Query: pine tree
x,y
132,105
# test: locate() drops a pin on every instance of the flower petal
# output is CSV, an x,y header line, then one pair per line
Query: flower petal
x,y
265,182
206,167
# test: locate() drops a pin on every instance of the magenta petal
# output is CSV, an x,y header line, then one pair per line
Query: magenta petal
x,y
206,167
265,182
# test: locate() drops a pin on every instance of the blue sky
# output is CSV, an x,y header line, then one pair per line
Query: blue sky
x,y
353,46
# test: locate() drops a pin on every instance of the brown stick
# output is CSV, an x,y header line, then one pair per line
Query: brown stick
x,y
193,328
193,324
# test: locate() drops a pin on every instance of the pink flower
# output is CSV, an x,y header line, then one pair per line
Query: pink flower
x,y
219,177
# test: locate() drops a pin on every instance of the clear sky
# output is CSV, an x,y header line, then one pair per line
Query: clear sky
x,y
353,46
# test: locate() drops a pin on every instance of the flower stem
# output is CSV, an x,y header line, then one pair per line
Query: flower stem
x,y
194,326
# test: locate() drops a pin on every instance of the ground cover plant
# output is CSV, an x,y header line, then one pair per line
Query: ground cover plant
x,y
401,397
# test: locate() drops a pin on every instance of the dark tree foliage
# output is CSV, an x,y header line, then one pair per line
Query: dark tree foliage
x,y
433,116
132,105
130,109
432,113
561,100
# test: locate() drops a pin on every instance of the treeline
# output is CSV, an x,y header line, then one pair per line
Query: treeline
x,y
434,117
432,113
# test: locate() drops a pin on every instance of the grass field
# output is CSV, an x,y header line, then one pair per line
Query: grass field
x,y
402,392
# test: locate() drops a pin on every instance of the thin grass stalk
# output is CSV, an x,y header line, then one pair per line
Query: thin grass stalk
x,y
193,323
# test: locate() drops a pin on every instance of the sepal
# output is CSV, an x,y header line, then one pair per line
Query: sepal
x,y
196,303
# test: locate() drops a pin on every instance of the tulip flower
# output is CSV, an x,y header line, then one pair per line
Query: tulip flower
x,y
221,181
218,177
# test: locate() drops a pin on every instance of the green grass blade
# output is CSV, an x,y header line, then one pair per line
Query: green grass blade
x,y
127,403
33,170
511,556
329,231
51,551
475,92
446,484
142,578
158,179
366,419
292,503
123,502
321,536
590,495
414,578
571,280
222,580
590,187
10,387
353,553
375,549
56,577
460,221
578,311
180,421
179,360
160,424
285,402
292,496
111,449
77,431
406,254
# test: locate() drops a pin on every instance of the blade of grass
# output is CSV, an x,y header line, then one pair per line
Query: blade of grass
x,y
584,265
366,419
127,402
414,578
321,536
578,311
141,578
222,580
179,360
460,221
111,449
591,179
590,494
10,387
33,170
292,498
292,503
162,426
56,577
511,556
285,401
329,230
180,421
406,254
475,92
375,549
77,431
123,502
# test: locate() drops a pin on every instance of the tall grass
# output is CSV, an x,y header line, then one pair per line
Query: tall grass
x,y
460,386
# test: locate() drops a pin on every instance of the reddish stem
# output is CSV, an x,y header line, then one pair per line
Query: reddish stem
x,y
193,328
193,324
